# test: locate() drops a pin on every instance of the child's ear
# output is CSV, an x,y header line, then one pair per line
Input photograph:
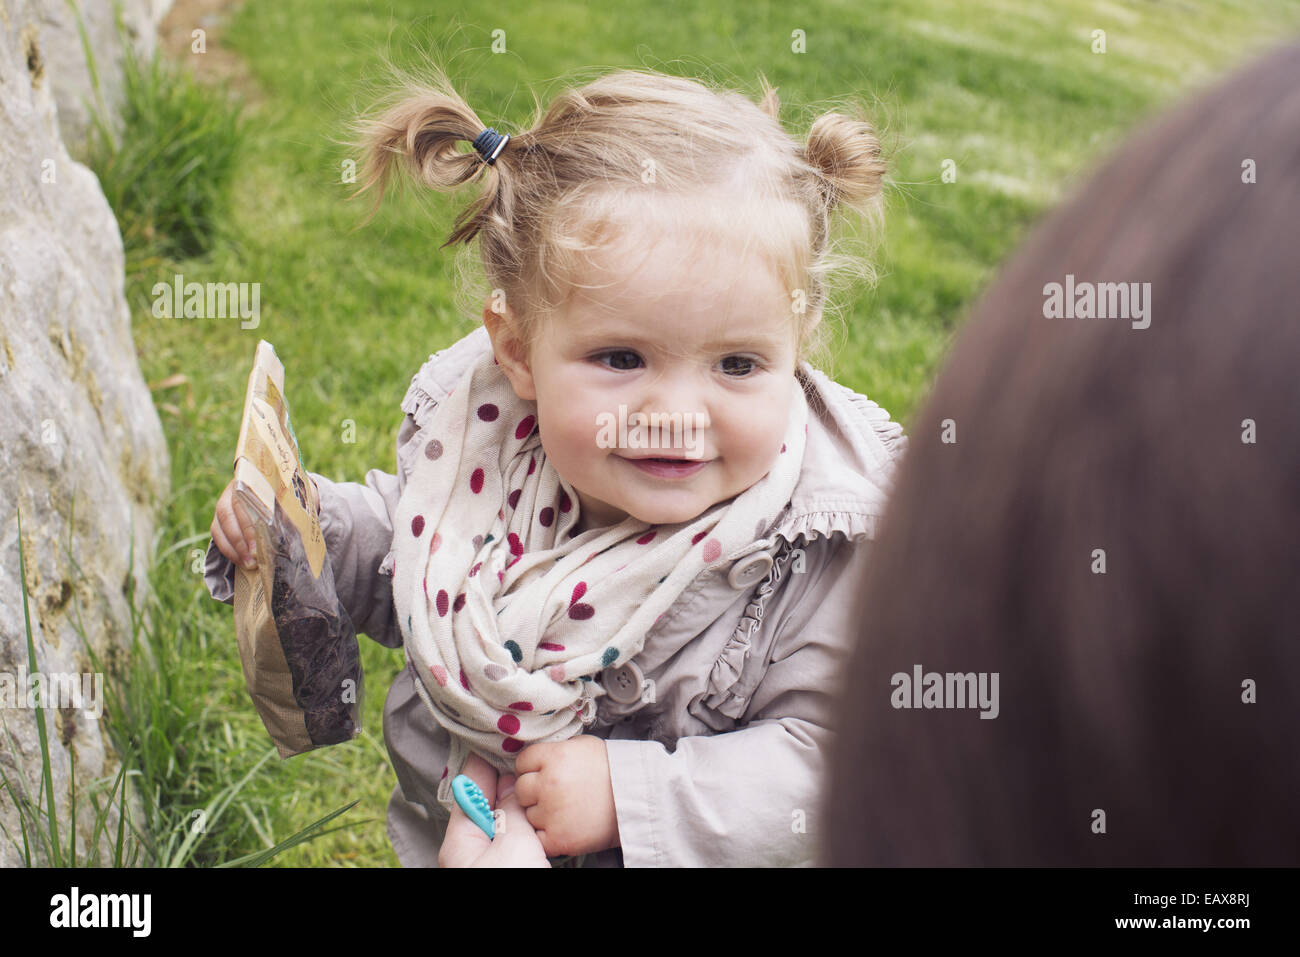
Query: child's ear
x,y
509,349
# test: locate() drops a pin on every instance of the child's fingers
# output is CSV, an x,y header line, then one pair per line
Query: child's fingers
x,y
239,554
526,787
236,530
533,757
536,819
508,803
245,526
527,844
223,544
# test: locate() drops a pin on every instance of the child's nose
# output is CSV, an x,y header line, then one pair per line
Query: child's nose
x,y
677,412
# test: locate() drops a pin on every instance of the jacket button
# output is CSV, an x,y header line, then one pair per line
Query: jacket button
x,y
623,684
749,570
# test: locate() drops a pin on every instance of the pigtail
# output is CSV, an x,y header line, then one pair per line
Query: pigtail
x,y
420,135
846,152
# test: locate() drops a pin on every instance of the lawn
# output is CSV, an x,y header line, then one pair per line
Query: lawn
x,y
1011,92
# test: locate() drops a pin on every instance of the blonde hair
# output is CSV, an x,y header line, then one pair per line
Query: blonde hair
x,y
561,189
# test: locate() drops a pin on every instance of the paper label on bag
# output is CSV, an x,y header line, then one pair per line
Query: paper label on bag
x,y
266,443
280,460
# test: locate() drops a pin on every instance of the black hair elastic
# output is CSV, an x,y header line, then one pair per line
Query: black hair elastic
x,y
489,145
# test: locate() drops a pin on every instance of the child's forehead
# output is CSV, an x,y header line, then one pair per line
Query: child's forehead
x,y
766,326
704,239
714,275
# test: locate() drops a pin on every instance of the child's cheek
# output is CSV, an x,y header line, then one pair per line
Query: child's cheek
x,y
575,427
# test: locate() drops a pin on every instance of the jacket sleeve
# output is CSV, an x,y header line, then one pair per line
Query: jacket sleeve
x,y
356,520
752,796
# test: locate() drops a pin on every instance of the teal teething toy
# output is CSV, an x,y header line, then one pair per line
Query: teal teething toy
x,y
471,800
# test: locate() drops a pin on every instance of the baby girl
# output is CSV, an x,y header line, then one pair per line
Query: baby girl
x,y
646,623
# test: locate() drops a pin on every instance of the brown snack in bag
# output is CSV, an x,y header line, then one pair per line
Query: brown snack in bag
x,y
297,644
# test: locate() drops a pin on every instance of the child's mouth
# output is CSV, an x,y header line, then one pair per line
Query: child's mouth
x,y
669,467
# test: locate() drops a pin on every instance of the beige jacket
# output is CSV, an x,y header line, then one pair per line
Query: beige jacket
x,y
716,731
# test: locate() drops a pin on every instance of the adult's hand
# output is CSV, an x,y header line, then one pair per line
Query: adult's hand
x,y
516,843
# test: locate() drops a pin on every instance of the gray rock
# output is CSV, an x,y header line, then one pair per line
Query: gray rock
x,y
76,418
67,69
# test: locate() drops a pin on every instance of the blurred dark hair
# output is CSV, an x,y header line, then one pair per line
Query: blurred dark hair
x,y
1120,691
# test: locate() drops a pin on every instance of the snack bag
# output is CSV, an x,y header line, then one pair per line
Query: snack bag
x,y
297,644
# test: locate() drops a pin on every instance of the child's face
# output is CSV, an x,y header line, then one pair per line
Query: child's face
x,y
699,332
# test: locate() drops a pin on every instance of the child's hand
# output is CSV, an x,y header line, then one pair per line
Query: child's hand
x,y
567,795
515,844
232,532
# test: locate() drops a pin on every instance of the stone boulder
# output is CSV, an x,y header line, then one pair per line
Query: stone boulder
x,y
69,73
82,452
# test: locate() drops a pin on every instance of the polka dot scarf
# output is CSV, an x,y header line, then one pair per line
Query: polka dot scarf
x,y
508,614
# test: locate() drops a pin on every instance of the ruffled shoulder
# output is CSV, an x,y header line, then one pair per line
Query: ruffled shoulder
x,y
853,452
435,379
870,428
809,526
884,432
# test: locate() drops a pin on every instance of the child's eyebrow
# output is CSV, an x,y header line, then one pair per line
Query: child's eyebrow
x,y
595,337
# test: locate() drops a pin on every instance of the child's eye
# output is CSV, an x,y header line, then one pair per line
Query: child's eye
x,y
623,360
740,366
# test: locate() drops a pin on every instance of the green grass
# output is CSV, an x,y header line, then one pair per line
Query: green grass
x,y
1010,91
160,721
167,175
